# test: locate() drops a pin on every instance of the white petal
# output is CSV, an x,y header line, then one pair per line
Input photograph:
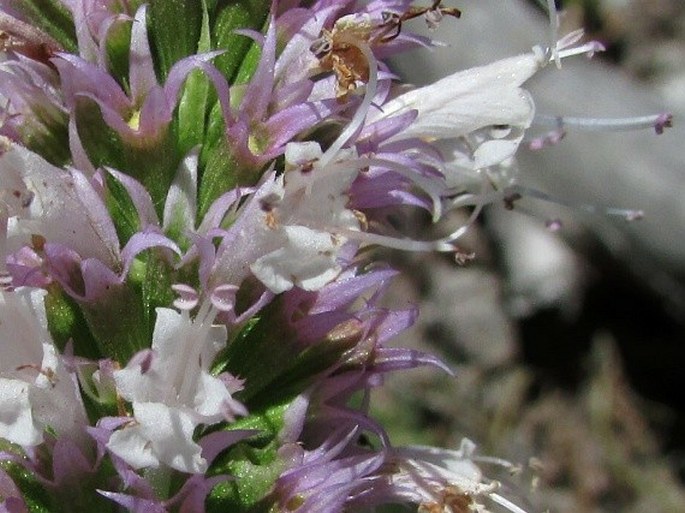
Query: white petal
x,y
468,100
134,385
307,259
171,432
160,435
131,446
211,398
177,370
494,152
65,207
16,418
300,153
35,390
23,329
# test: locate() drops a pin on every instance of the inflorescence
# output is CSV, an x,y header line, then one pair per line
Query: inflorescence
x,y
189,320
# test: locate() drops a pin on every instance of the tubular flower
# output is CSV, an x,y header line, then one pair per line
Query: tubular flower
x,y
172,392
190,318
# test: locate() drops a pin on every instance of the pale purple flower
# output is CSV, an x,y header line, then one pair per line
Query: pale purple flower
x,y
141,115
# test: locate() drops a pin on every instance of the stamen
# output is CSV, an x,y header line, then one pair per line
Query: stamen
x,y
551,138
554,32
442,245
196,331
589,49
223,297
664,120
417,246
656,121
554,225
4,112
569,39
625,213
493,460
360,116
502,501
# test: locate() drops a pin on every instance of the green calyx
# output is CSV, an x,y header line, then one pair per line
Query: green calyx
x,y
253,464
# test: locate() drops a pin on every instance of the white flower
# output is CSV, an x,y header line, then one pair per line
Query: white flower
x,y
36,392
484,104
311,209
290,233
37,198
443,479
172,392
469,100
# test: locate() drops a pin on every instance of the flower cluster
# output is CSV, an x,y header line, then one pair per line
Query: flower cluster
x,y
189,321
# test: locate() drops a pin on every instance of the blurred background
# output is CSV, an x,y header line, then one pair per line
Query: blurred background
x,y
569,345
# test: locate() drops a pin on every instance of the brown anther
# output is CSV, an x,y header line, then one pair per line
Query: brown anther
x,y
5,143
27,41
509,201
48,373
457,502
268,202
433,15
294,502
307,167
363,221
452,500
429,507
347,333
462,258
271,220
268,205
37,242
121,408
338,49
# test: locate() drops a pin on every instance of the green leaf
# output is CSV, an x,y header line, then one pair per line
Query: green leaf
x,y
34,493
76,493
274,364
220,174
152,162
118,49
249,64
156,287
220,170
46,133
102,144
118,323
122,209
53,18
66,322
192,111
232,15
195,98
175,27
